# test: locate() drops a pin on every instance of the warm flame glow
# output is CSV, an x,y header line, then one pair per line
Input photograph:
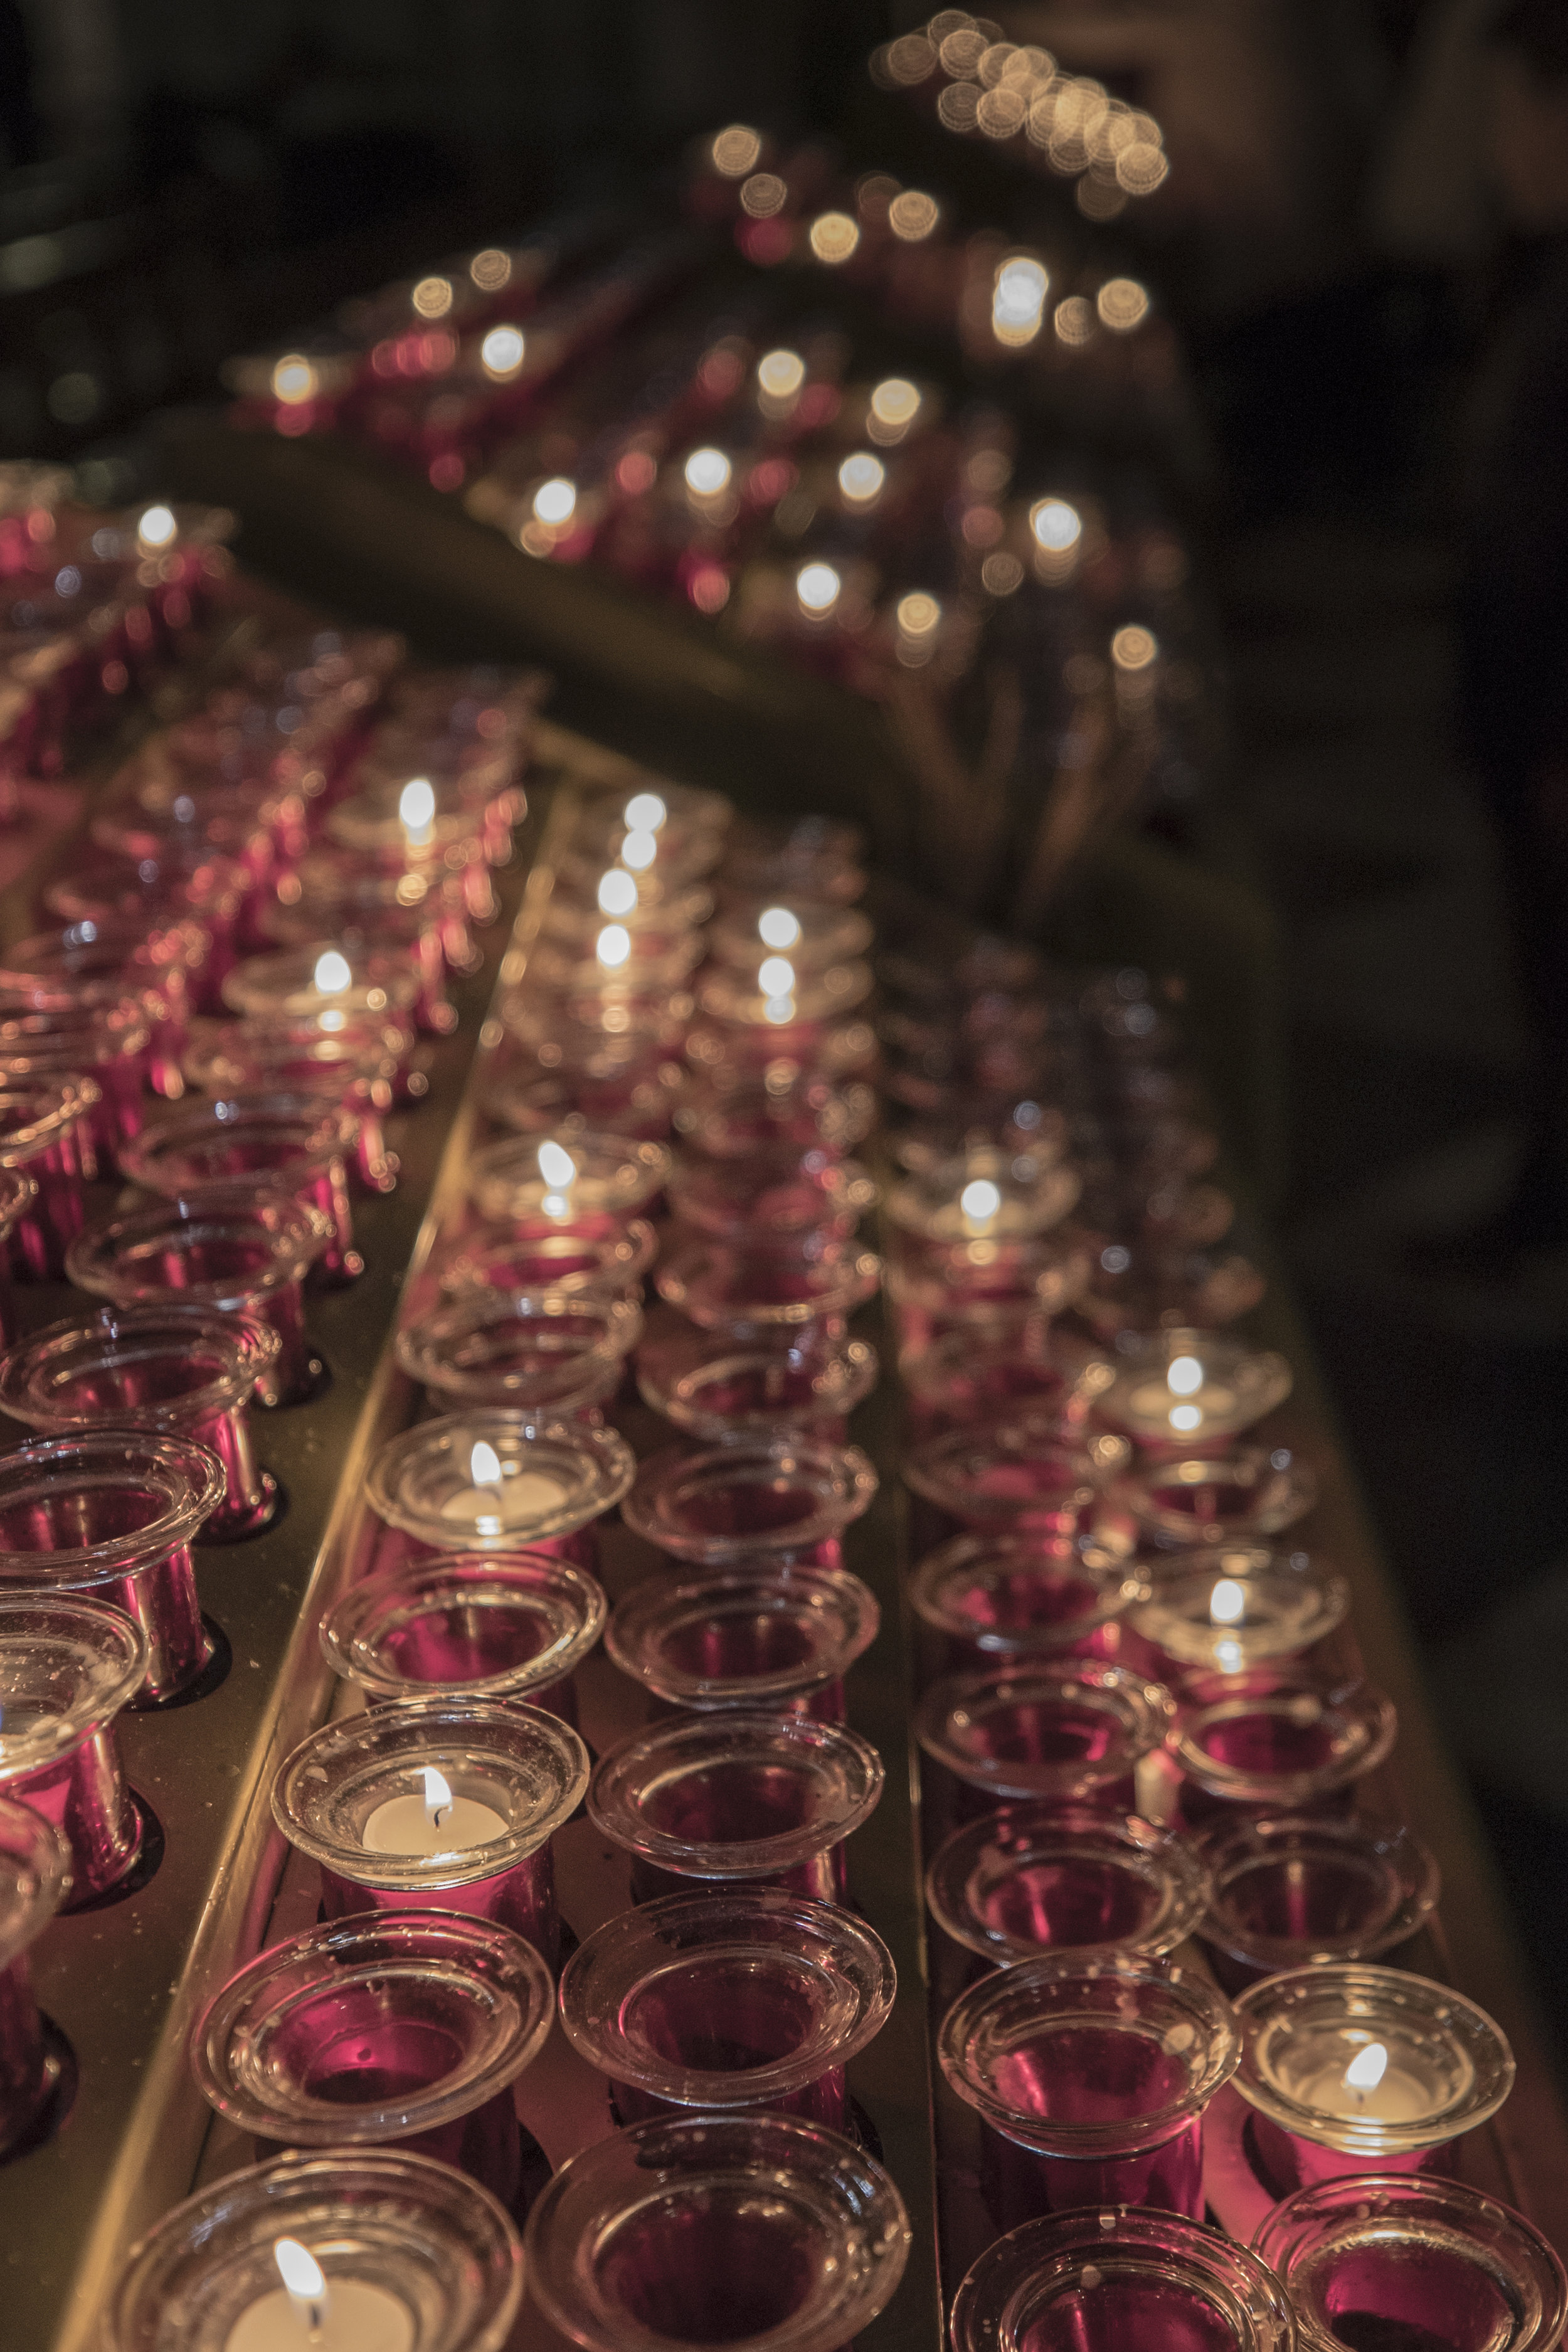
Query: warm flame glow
x,y
781,374
1055,525
1186,1376
777,928
502,352
644,812
433,297
912,215
860,477
297,2267
780,1011
918,614
834,238
1122,305
638,851
556,1166
817,586
417,805
735,150
1228,1603
775,976
157,527
490,269
979,1200
437,1789
1367,2068
617,892
484,1470
613,946
1018,299
895,403
331,973
707,473
1134,648
293,380
554,503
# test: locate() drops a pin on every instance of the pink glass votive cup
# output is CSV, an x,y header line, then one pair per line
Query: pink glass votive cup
x,y
788,1497
615,1176
213,891
47,1135
1023,1195
557,1478
767,1800
725,1286
810,857
544,1256
301,984
729,1112
749,1049
737,999
508,1626
176,1369
1020,1481
740,1999
1148,1288
1407,2258
160,963
637,1100
1183,1392
35,1879
293,1143
555,1352
110,1047
1090,2078
1051,1878
1072,1733
67,1664
388,2029
749,1636
1244,1496
770,1196
1293,1890
984,1600
1276,1739
523,1769
999,1368
243,1250
719,1388
1225,1612
361,1071
114,1514
1118,2280
418,921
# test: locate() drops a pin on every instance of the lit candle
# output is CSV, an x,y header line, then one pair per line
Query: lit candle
x,y
434,1822
305,2316
644,812
617,893
613,946
1227,1606
559,1170
500,1497
980,1204
416,810
638,850
776,979
1370,2087
778,928
332,974
1198,1385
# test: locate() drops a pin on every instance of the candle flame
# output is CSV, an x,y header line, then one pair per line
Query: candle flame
x,y
1228,1603
157,527
502,352
556,1165
707,473
1186,1417
780,1011
617,892
437,1794
331,972
613,946
554,503
297,2267
979,1200
1186,1376
417,805
775,976
817,586
1367,2068
777,928
484,1464
638,850
644,812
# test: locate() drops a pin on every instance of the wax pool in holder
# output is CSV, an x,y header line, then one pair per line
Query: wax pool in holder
x,y
36,2071
496,1482
717,2229
1115,2280
1069,1732
1185,1389
1090,2078
789,1497
1035,1879
1004,1362
67,1664
1228,1610
355,2250
293,1143
440,1803
298,983
584,1184
391,2030
1276,1739
1017,1481
1291,1889
746,1636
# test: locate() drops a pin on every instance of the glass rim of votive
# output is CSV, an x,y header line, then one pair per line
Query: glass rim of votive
x,y
627,1170
221,1062
843,1114
1096,1458
1008,2006
1114,1587
739,999
99,1657
1045,1273
1009,2288
836,1612
626,1257
1179,1616
834,1051
173,1472
34,1875
70,1038
598,1462
403,2216
124,884
1007,1331
688,808
846,1373
296,1231
811,2180
618,1966
1133,1713
366,821
546,1760
119,939
1399,2215
825,933
527,1101
574,967
18,1192
843,1477
56,1105
312,1133
495,2003
1293,1485
707,1280
262,985
1348,2006
685,905
441,1350
355,1628
1157,1860
929,1205
848,1191
1304,1695
1259,1380
1291,1842
731,1737
1219,1287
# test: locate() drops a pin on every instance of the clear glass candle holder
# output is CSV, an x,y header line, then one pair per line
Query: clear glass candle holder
x,y
1090,2078
1143,1289
67,1664
719,1388
509,1627
803,999
1244,1496
770,1196
1187,1388
180,1368
360,1073
420,920
732,1111
211,890
1038,1879
1409,2259
635,1098
1294,1890
47,1135
778,1497
294,1143
684,826
1114,2280
159,962
1276,1739
989,1600
363,1798
543,1256
108,1046
416,2257
717,2229
985,1195
813,934
554,1352
810,857
244,1249
36,2071
1353,2068
1016,1481
496,1482
643,964
969,1351
739,2000
767,1800
747,1636
114,1514
747,1050
301,984
726,1286
392,2028
610,1177
1230,1610
1072,1733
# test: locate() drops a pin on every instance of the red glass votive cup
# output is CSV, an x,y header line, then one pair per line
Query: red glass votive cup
x,y
984,1600
555,1352
634,1099
1038,1879
1281,1738
767,1800
35,1879
1406,2258
741,1999
508,1626
47,1134
1016,1481
110,1047
496,1482
732,1111
784,1497
301,984
292,1143
211,890
731,1287
718,1387
998,1369
1294,1890
746,1636
1244,1496
160,963
357,1798
114,1514
178,1369
1070,1733
389,2029
1117,2280
244,1250
361,1073
544,1255
1090,2078
67,1664
1228,1611
714,2230
614,1177
770,1196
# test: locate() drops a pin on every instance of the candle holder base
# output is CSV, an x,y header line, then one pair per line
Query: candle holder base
x,y
52,2103
271,1503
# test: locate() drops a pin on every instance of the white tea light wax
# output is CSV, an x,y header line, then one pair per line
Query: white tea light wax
x,y
310,2314
437,1822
